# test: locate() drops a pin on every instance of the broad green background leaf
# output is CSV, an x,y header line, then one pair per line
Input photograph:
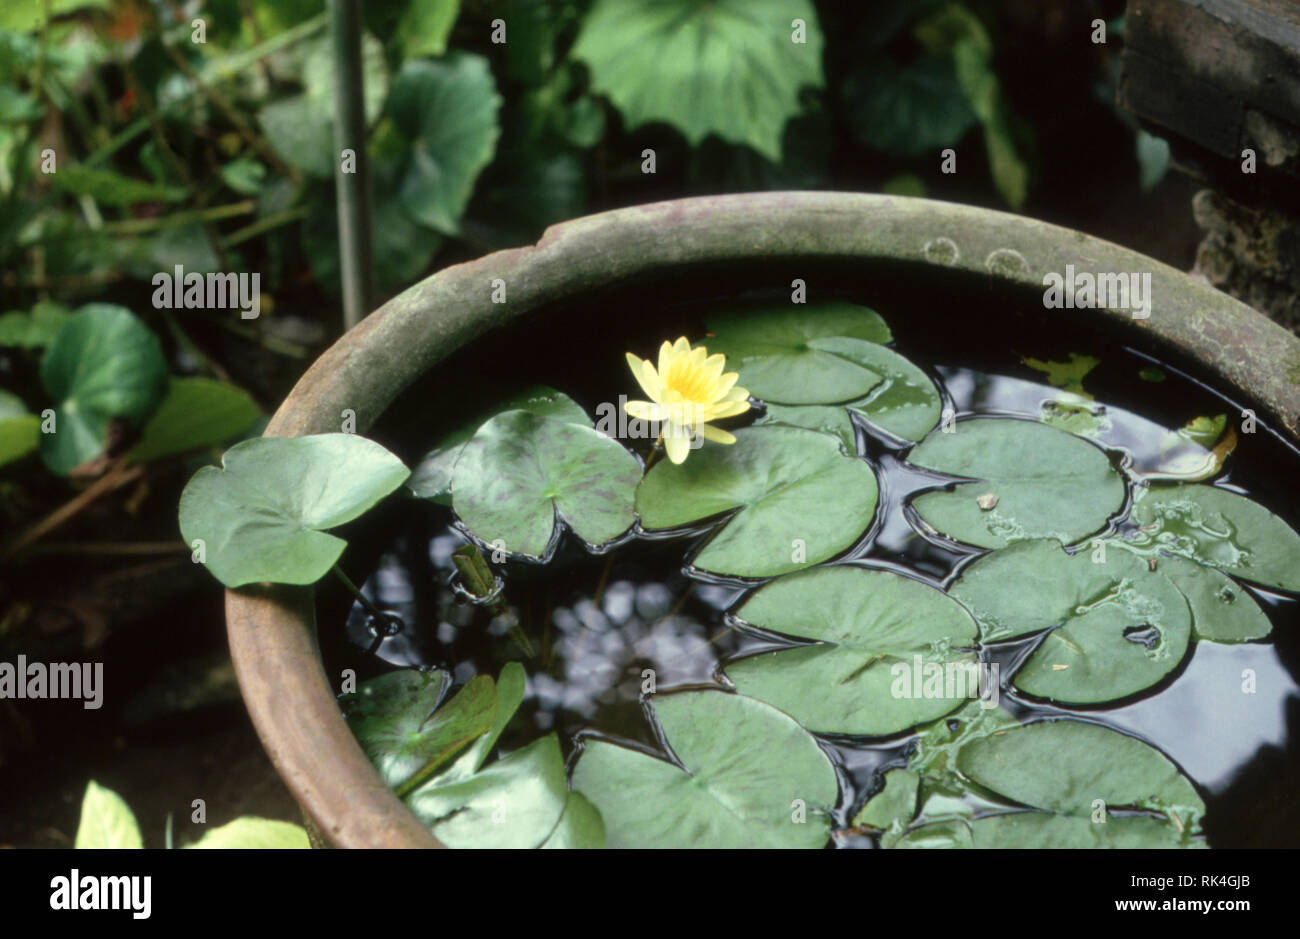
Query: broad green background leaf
x,y
398,720
432,476
250,832
110,188
580,826
910,110
521,473
515,802
1222,529
778,350
727,67
195,413
448,111
261,515
788,484
106,821
1102,609
743,765
104,363
1063,766
425,26
1048,483
34,330
20,432
24,16
869,622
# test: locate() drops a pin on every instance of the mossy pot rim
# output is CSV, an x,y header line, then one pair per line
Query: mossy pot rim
x,y
272,628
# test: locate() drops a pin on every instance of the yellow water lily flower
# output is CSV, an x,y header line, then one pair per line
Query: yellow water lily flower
x,y
687,390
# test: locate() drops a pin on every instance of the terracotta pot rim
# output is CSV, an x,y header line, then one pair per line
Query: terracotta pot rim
x,y
272,629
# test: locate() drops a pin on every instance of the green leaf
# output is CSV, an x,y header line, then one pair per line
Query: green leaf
x,y
196,413
907,111
261,516
245,175
1220,529
34,330
110,188
1068,375
431,478
105,363
580,826
521,474
1035,830
1222,611
20,432
1119,628
249,832
448,111
782,354
425,26
1046,483
888,654
511,684
398,722
28,16
106,821
1065,766
893,805
798,500
905,403
728,68
742,774
515,802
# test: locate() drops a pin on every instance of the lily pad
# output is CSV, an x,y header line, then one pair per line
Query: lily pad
x,y
1221,529
1116,627
431,478
262,515
888,655
893,805
729,68
580,826
521,474
1030,830
105,363
1222,610
516,802
785,356
905,403
746,775
799,499
1048,483
398,722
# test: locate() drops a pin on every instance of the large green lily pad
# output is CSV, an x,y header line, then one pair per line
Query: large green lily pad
x,y
1030,481
890,653
746,776
521,474
798,500
262,515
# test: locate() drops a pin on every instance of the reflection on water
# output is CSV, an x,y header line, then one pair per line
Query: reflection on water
x,y
601,625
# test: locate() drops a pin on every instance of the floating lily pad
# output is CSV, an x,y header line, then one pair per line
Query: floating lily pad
x,y
1222,610
746,776
431,478
889,655
905,403
799,499
579,827
262,515
785,355
893,805
1116,627
1048,483
1221,529
521,474
105,363
398,722
1030,830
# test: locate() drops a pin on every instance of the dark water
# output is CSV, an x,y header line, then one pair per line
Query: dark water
x,y
598,622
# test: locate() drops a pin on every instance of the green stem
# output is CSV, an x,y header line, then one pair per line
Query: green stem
x,y
477,578
357,594
136,226
355,249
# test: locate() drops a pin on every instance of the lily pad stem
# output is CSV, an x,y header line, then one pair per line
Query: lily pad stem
x,y
357,594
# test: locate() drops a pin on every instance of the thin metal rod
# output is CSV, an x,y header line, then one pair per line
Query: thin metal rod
x,y
351,176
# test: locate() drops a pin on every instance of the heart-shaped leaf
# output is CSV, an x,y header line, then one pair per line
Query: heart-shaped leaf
x,y
520,474
431,478
448,111
104,363
195,413
783,356
398,722
1116,627
1032,481
261,516
732,68
580,826
1221,529
106,821
799,499
889,654
745,775
255,833
907,110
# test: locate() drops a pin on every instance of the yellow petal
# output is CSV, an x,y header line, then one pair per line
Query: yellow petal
x,y
716,434
645,410
677,445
